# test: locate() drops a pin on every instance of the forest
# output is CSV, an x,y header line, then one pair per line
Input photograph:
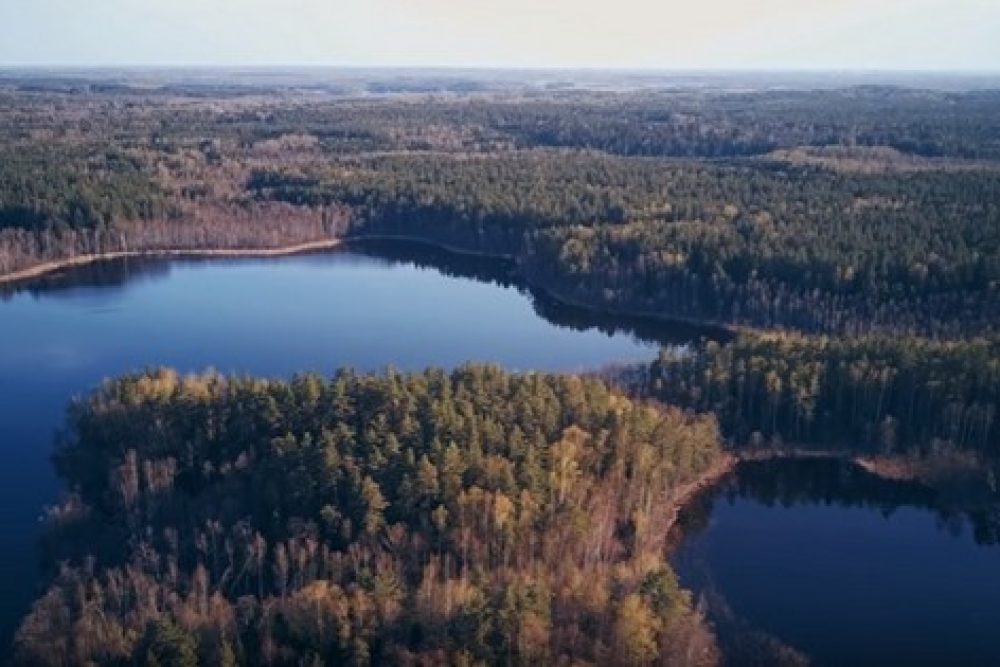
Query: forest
x,y
758,245
471,517
890,395
755,209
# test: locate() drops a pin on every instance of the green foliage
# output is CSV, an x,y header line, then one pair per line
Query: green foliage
x,y
480,517
167,645
368,519
865,394
839,211
835,211
761,243
44,187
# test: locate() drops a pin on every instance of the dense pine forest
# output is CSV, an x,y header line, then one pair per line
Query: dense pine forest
x,y
475,517
847,240
889,395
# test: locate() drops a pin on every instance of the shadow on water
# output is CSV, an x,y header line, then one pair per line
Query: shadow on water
x,y
109,273
503,272
818,561
126,272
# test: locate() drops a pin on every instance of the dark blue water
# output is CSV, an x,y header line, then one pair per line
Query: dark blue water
x,y
365,308
846,568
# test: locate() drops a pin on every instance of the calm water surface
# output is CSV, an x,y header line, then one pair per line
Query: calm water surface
x,y
843,566
367,307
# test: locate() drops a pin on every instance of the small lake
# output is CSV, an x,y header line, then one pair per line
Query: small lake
x,y
367,306
847,568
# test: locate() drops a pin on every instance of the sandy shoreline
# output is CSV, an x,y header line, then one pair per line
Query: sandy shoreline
x,y
685,493
40,270
79,260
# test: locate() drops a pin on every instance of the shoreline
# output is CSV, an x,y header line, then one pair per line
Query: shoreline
x,y
551,293
46,268
686,493
888,468
885,468
457,250
728,329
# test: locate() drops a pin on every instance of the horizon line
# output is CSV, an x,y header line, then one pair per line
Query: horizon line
x,y
642,69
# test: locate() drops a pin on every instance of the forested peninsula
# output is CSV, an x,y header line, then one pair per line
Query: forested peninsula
x,y
475,517
470,517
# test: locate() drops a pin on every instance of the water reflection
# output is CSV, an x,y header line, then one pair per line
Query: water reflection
x,y
123,273
503,272
104,274
819,557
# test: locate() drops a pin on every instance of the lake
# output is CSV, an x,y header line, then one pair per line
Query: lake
x,y
839,565
848,568
367,307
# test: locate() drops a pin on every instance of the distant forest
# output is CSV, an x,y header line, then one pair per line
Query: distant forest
x,y
863,210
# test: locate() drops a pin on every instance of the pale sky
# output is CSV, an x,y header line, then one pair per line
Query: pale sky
x,y
660,34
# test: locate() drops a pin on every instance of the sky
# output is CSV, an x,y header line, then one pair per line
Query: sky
x,y
643,34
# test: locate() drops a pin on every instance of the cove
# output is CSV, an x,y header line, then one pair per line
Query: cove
x,y
367,305
844,567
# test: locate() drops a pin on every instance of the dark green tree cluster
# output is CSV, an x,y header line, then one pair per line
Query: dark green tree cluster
x,y
874,394
476,517
44,188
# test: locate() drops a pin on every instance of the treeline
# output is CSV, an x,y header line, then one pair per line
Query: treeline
x,y
714,124
483,203
853,273
762,244
703,123
887,221
267,226
681,123
476,517
867,394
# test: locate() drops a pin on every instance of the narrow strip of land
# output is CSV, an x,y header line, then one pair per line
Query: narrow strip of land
x,y
684,494
78,260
